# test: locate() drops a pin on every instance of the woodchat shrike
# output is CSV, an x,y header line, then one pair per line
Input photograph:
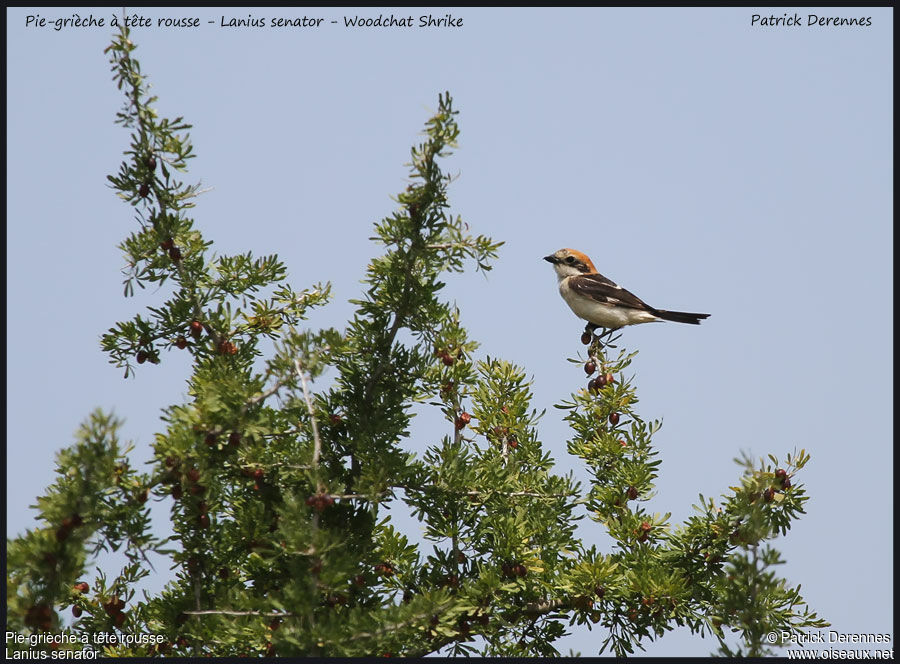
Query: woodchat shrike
x,y
601,302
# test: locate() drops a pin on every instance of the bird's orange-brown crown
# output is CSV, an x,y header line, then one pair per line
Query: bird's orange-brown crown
x,y
563,254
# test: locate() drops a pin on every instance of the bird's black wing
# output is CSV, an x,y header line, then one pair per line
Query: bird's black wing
x,y
598,287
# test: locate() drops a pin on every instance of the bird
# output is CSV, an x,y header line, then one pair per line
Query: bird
x,y
602,302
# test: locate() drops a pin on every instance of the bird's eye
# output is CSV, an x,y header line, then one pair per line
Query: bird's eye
x,y
570,259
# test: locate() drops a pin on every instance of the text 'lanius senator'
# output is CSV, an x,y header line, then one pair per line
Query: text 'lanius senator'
x,y
601,302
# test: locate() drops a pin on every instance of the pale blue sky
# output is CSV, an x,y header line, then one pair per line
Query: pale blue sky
x,y
703,163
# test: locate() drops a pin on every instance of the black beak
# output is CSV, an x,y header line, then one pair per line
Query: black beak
x,y
551,259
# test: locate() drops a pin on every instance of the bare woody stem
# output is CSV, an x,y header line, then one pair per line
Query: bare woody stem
x,y
317,441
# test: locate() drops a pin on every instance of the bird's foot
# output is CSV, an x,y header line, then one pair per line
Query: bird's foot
x,y
605,338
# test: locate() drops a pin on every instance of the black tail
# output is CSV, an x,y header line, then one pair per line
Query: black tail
x,y
680,316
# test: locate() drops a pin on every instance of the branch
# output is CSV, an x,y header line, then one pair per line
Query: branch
x,y
382,367
212,612
262,396
317,449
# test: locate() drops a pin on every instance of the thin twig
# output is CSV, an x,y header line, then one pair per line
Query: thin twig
x,y
214,612
262,396
317,449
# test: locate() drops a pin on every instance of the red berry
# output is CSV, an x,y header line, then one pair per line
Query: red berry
x,y
113,606
590,368
645,531
780,474
175,254
76,611
258,474
521,570
786,483
586,338
463,419
513,443
632,493
82,587
181,342
447,359
600,591
203,521
167,244
193,475
584,603
141,357
227,348
196,329
769,495
614,418
33,616
234,439
144,190
119,619
335,419
274,624
151,163
592,385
